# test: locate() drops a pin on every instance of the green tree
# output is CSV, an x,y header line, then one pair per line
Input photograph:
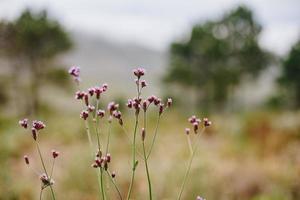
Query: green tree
x,y
217,55
33,41
290,78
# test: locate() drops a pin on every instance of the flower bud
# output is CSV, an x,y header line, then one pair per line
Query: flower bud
x,y
26,159
143,83
199,198
86,99
196,127
151,99
104,87
79,95
143,134
157,101
24,123
206,122
113,174
94,165
91,91
84,114
145,105
187,131
100,113
90,108
169,102
34,133
161,108
108,157
129,103
98,92
55,154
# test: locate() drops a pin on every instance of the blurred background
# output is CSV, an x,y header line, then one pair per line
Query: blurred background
x,y
235,61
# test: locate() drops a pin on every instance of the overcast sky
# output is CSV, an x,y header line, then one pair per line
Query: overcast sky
x,y
155,23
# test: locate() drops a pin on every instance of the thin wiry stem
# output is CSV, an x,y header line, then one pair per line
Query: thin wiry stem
x,y
154,137
108,138
115,185
41,193
190,144
53,163
44,167
146,160
134,162
102,188
189,165
88,133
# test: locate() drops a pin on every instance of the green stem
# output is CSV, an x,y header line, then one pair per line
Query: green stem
x,y
108,138
134,162
146,160
41,193
102,188
189,165
44,167
53,163
115,185
147,171
133,158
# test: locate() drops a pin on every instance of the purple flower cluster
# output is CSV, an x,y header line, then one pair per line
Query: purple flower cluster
x,y
101,161
75,72
196,122
36,126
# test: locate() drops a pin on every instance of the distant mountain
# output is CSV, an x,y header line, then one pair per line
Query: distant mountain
x,y
102,60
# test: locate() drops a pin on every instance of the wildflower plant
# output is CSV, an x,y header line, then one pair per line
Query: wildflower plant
x,y
94,117
140,106
43,174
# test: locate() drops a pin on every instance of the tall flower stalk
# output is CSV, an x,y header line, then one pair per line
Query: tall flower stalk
x,y
45,177
195,123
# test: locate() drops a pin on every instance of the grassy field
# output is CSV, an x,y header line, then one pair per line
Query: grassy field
x,y
242,156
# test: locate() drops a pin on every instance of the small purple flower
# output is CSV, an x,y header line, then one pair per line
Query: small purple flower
x,y
151,99
157,101
108,157
98,92
207,122
84,115
112,106
143,83
104,87
24,123
139,72
145,105
100,113
91,91
79,95
74,71
55,154
129,103
38,125
90,108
